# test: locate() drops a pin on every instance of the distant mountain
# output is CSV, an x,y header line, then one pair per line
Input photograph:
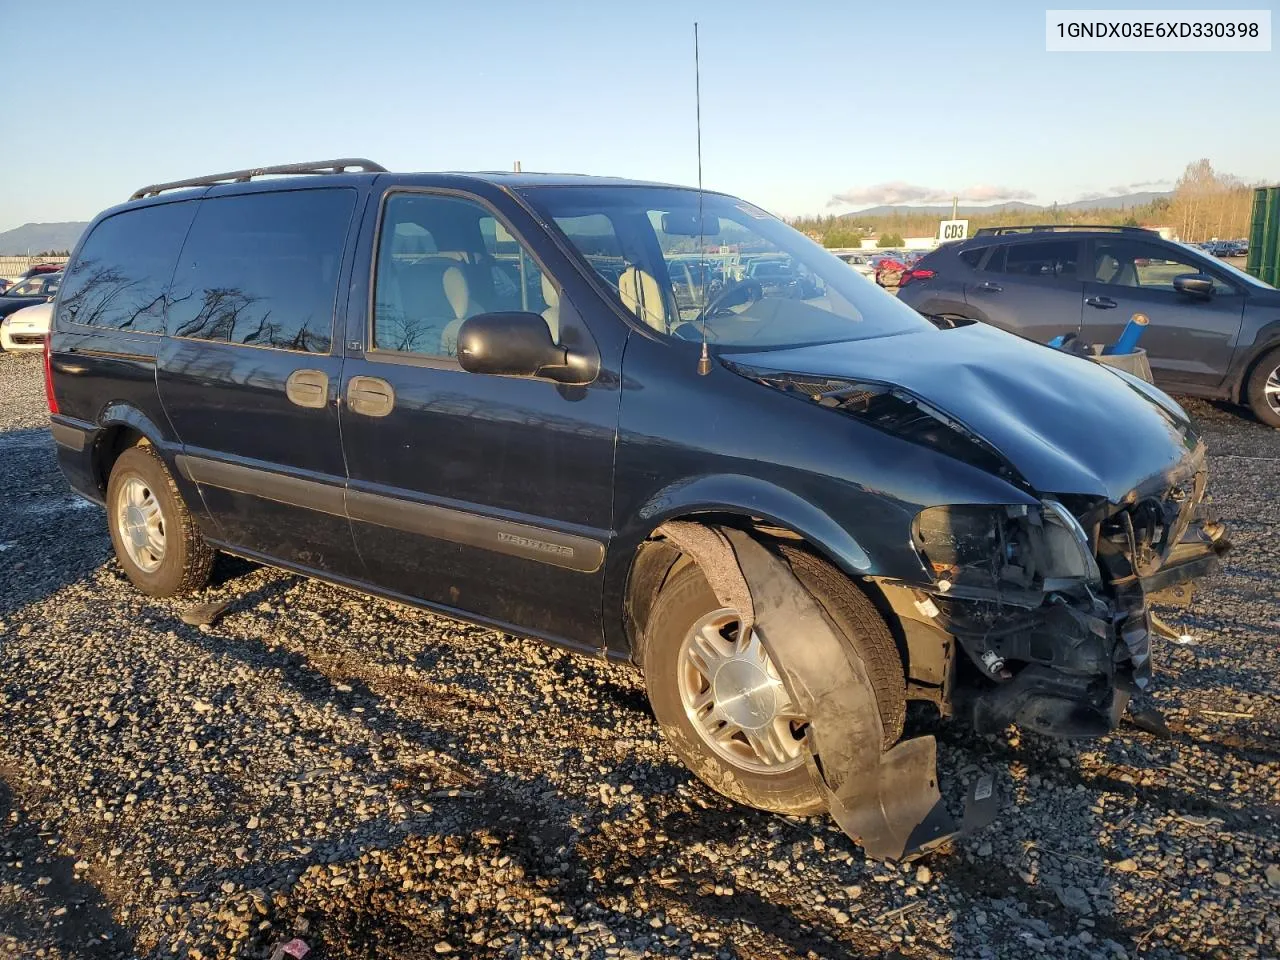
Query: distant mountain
x,y
1115,203
1104,203
888,210
35,237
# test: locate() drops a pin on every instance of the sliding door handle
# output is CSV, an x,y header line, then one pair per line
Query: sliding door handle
x,y
308,388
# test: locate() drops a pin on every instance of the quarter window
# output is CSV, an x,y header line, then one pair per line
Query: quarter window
x,y
119,277
461,262
261,269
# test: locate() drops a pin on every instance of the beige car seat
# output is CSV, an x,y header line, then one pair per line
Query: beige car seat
x,y
458,292
641,295
552,314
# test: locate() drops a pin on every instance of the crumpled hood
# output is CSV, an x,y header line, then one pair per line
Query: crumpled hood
x,y
1068,425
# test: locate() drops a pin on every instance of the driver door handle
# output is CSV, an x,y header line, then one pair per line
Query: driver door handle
x,y
1102,303
990,287
370,396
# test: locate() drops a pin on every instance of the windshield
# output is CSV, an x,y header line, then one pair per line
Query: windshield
x,y
743,275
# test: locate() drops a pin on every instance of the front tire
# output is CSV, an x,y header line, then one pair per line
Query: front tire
x,y
1263,389
155,537
721,705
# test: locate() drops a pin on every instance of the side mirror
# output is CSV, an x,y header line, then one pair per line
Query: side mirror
x,y
1198,285
516,344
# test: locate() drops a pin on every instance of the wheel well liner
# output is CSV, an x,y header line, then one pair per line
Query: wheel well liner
x,y
657,558
113,440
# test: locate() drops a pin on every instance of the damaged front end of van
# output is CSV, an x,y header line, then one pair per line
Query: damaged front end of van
x,y
1035,612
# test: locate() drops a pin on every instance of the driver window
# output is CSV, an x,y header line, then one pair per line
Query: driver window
x,y
1124,263
442,260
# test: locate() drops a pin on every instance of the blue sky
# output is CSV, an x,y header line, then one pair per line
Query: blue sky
x,y
802,101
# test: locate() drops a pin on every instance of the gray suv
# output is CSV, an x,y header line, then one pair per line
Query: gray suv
x,y
1214,331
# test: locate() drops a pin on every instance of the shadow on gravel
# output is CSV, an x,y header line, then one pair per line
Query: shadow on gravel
x,y
535,817
49,536
87,929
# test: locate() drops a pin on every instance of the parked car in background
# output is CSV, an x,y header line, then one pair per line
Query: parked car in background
x,y
253,366
26,329
889,268
1214,330
861,262
39,288
783,278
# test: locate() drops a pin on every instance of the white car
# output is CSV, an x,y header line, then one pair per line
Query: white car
x,y
860,262
26,329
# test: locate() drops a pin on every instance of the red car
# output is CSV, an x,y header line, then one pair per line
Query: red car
x,y
42,268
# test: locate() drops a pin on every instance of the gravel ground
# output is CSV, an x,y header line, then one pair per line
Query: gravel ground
x,y
386,783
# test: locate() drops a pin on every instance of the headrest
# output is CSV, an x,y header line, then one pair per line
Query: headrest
x,y
458,291
549,293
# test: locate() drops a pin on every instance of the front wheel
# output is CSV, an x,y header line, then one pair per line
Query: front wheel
x,y
156,539
721,703
1263,389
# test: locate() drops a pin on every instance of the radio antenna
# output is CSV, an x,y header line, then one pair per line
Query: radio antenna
x,y
704,361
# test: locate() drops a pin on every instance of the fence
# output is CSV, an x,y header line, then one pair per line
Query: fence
x,y
11,267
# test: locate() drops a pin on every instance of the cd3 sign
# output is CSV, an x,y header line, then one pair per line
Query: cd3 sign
x,y
953,230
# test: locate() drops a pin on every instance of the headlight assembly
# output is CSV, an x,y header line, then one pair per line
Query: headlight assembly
x,y
1018,552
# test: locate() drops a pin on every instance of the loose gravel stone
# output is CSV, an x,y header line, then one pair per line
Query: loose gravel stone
x,y
380,781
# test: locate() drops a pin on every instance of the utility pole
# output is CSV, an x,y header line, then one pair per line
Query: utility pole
x,y
955,208
517,167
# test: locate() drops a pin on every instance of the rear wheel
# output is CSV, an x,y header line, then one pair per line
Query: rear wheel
x,y
723,707
1263,389
156,539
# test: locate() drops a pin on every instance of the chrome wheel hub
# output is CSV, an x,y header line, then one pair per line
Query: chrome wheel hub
x,y
141,524
735,699
1271,390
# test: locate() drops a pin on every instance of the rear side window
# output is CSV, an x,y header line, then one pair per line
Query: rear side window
x,y
119,277
1051,258
972,257
262,269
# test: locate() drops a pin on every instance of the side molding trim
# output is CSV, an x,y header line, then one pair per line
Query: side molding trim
x,y
570,551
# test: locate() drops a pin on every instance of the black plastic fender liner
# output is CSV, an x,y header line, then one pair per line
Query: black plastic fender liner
x,y
889,802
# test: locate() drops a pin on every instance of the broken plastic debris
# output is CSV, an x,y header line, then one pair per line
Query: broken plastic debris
x,y
205,614
927,607
296,948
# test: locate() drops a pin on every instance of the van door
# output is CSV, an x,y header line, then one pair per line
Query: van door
x,y
486,495
249,371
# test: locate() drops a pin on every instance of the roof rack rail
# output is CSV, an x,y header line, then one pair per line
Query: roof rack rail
x,y
244,176
1054,227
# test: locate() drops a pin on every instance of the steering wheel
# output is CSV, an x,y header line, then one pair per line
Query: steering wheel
x,y
743,291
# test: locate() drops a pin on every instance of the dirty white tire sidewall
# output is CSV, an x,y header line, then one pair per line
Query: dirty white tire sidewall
x,y
684,599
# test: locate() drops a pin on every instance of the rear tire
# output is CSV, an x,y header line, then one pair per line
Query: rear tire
x,y
155,537
687,601
1265,376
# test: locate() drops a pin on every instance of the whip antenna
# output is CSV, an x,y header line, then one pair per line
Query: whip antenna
x,y
704,361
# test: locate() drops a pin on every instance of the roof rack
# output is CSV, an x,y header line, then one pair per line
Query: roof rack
x,y
244,176
1055,227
